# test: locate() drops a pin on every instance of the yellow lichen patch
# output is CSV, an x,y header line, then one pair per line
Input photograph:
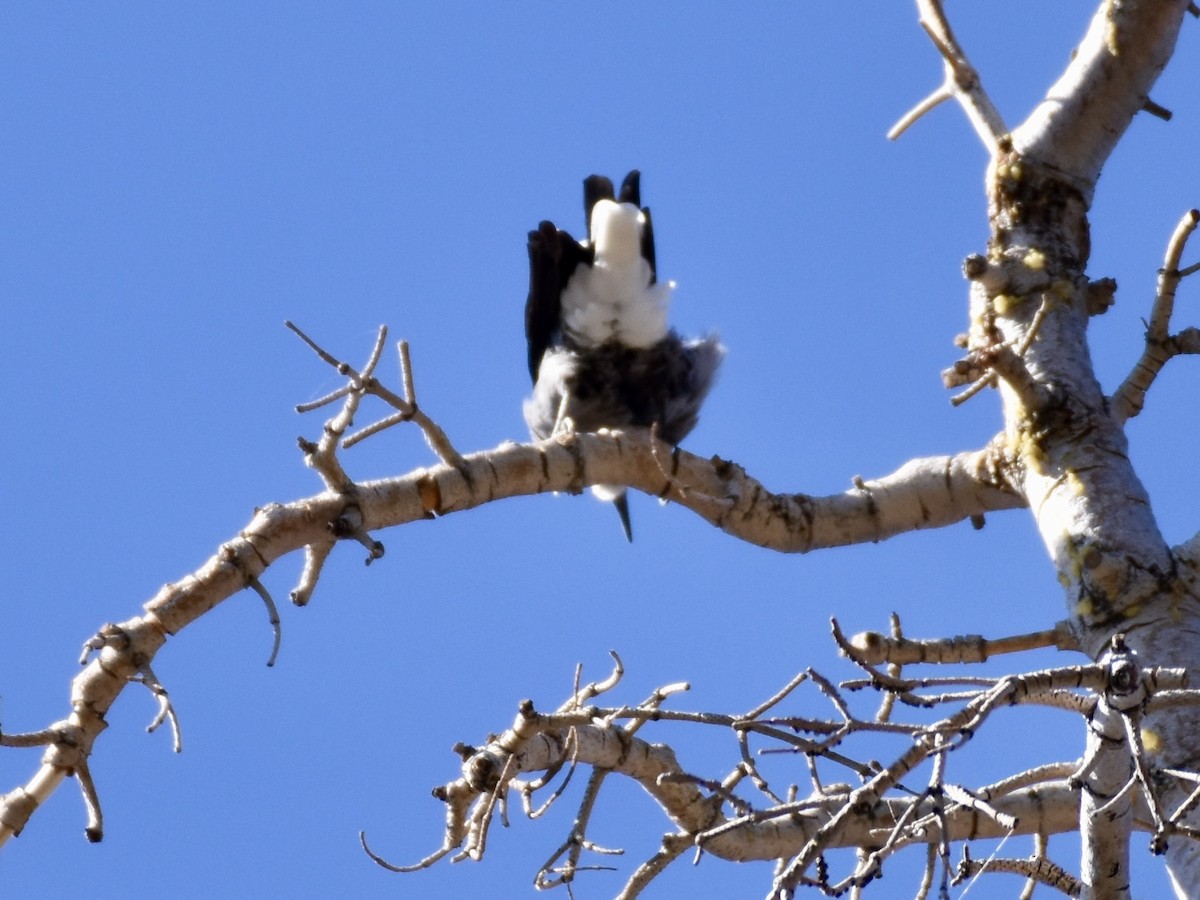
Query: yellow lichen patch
x,y
1073,556
1009,170
1063,579
1062,289
1074,484
1133,610
1030,453
1005,303
1074,565
1151,741
1036,260
1084,607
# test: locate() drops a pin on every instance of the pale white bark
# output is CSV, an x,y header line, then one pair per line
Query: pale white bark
x,y
1075,128
1062,454
1047,807
1091,509
922,494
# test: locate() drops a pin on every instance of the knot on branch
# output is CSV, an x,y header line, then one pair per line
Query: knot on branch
x,y
350,525
1101,295
1016,273
70,746
1126,686
16,808
123,649
482,769
110,636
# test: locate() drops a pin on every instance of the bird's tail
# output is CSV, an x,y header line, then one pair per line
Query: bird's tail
x,y
622,507
620,501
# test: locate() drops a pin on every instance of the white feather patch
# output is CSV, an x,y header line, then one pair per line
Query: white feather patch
x,y
613,299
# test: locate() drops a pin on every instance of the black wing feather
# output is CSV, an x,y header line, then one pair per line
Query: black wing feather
x,y
648,244
553,258
631,188
631,192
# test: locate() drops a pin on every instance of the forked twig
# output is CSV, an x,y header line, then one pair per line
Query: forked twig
x,y
1161,345
961,83
365,383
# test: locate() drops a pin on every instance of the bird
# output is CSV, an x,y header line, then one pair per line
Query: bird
x,y
601,351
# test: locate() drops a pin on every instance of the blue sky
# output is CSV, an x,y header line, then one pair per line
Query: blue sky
x,y
178,180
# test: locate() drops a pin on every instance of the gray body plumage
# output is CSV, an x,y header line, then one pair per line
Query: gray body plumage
x,y
600,352
614,386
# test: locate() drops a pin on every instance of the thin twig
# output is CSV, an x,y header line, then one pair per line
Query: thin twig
x,y
166,710
1130,397
934,100
272,617
91,800
314,561
961,82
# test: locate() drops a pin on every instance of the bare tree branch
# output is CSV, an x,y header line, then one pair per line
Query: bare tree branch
x,y
1062,454
876,648
1038,870
1161,345
882,813
962,82
923,494
1075,128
